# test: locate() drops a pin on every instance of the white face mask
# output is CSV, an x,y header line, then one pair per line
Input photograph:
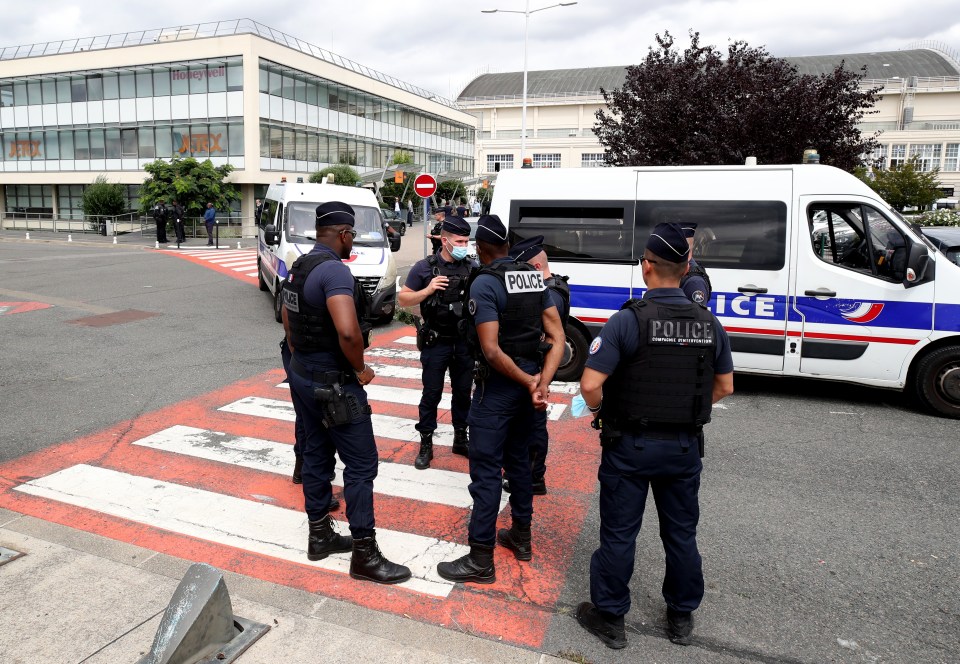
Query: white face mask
x,y
459,253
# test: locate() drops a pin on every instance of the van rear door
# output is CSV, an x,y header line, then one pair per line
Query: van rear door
x,y
856,317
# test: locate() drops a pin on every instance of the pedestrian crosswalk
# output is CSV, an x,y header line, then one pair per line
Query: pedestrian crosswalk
x,y
209,479
239,263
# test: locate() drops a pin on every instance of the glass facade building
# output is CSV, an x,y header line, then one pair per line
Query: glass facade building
x,y
263,102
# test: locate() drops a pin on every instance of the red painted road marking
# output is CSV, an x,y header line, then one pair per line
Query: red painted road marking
x,y
21,307
517,608
211,258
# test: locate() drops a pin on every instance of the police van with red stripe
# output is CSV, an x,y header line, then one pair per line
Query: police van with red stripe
x,y
813,274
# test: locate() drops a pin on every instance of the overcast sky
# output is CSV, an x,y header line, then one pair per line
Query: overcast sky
x,y
442,45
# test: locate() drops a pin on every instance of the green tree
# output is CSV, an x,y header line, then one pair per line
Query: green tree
x,y
905,186
103,198
451,190
402,157
701,106
190,182
343,174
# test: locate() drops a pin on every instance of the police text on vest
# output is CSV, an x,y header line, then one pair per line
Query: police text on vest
x,y
524,282
681,332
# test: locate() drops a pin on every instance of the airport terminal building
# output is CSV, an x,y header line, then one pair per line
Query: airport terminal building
x,y
918,110
236,92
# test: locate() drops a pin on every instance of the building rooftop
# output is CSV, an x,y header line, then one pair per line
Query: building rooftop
x,y
920,62
243,26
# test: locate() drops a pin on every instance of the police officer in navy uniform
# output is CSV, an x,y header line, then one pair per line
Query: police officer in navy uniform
x,y
518,345
652,376
323,309
696,282
531,251
438,284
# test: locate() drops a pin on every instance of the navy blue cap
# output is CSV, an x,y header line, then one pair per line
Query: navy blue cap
x,y
334,213
455,226
491,230
668,242
524,250
689,229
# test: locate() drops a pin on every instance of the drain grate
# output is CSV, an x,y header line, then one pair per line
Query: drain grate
x,y
6,555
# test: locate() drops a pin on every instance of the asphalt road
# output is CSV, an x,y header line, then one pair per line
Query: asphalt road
x,y
829,523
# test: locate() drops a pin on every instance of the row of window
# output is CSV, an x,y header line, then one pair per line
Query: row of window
x,y
179,78
285,83
310,146
32,200
945,156
500,162
164,141
746,235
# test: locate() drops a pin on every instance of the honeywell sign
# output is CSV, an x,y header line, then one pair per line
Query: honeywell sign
x,y
211,72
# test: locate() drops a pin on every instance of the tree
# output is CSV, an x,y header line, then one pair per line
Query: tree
x,y
190,182
402,157
451,190
342,174
698,107
905,186
104,198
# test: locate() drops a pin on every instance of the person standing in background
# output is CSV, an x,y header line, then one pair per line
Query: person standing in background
x,y
210,220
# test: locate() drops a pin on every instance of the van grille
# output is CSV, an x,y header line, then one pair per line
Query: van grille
x,y
369,284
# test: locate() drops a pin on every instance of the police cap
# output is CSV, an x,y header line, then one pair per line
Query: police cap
x,y
668,242
455,226
334,213
527,249
689,229
491,230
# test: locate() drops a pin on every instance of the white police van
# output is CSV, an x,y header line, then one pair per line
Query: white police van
x,y
813,274
287,230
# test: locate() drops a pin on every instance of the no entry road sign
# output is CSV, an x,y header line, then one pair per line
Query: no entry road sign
x,y
425,185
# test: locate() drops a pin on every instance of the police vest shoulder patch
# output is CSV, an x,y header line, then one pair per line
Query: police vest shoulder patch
x,y
520,281
680,332
698,296
291,300
472,307
595,345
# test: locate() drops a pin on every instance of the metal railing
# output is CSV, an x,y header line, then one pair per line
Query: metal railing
x,y
131,223
243,26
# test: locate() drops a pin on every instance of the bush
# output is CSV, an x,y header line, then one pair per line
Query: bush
x,y
940,218
103,198
342,174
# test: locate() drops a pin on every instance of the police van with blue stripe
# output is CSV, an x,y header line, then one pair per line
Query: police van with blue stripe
x,y
286,230
813,274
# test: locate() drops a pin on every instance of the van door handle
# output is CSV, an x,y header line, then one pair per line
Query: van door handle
x,y
750,288
820,292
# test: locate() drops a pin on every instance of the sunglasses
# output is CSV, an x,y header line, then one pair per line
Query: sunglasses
x,y
352,232
644,258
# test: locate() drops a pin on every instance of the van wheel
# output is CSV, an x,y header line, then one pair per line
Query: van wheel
x,y
574,355
278,303
260,281
937,381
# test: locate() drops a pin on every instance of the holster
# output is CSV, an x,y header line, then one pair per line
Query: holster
x,y
609,437
338,407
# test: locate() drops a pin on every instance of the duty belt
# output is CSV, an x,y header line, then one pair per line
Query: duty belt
x,y
322,377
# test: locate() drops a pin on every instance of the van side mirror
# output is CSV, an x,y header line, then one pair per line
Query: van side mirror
x,y
919,266
270,235
394,242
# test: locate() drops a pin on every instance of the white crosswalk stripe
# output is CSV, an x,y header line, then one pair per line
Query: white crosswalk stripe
x,y
245,524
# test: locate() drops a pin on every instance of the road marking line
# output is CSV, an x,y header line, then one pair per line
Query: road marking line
x,y
387,426
394,354
432,485
404,395
225,520
410,341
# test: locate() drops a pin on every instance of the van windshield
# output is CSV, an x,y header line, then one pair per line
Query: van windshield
x,y
300,223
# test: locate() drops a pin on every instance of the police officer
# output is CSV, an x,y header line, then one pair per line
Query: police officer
x,y
438,283
160,215
531,251
518,348
434,234
323,309
661,363
178,214
696,282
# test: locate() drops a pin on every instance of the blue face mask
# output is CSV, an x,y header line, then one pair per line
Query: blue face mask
x,y
459,253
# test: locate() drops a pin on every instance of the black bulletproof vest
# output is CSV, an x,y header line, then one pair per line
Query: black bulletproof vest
x,y
669,382
443,310
697,270
558,284
311,328
521,321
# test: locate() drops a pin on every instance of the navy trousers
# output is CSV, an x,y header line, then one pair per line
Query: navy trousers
x,y
298,423
452,355
538,445
657,461
501,415
353,442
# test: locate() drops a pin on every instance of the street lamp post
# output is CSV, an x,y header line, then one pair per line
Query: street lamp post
x,y
526,30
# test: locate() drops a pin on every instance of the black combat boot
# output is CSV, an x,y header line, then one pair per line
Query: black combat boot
x,y
680,626
368,564
539,486
517,539
475,567
324,540
461,442
606,627
426,452
297,477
